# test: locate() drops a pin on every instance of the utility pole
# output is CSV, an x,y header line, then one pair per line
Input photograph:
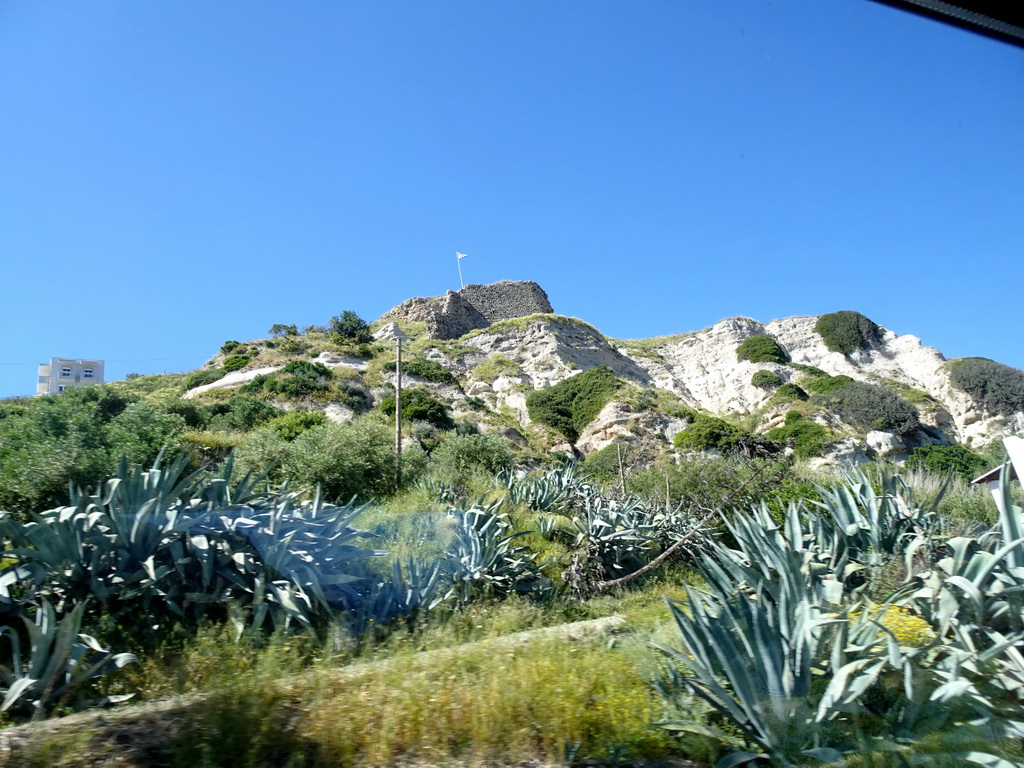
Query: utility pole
x,y
396,333
398,414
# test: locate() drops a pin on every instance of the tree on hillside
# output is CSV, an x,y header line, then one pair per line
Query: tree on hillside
x,y
351,328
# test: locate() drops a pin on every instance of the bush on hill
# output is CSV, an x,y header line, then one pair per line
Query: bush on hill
x,y
790,392
236,363
807,437
765,380
847,331
945,458
867,406
243,413
997,387
298,380
494,367
293,423
761,348
350,328
346,460
419,405
825,384
459,456
810,370
201,378
76,438
428,370
709,433
572,404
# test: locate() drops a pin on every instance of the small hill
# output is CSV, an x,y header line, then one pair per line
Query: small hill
x,y
481,351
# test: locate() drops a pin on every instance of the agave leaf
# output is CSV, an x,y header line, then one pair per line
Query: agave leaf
x,y
739,758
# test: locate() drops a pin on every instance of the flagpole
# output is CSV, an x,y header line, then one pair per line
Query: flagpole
x,y
458,261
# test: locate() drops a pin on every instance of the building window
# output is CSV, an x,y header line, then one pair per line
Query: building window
x,y
87,373
65,373
60,388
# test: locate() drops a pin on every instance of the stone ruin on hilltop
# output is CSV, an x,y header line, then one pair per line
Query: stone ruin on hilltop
x,y
475,306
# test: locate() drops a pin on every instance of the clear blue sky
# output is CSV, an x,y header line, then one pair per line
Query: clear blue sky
x,y
177,173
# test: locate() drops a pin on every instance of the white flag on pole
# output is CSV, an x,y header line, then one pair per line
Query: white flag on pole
x,y
460,255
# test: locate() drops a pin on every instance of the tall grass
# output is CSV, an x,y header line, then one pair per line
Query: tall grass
x,y
492,702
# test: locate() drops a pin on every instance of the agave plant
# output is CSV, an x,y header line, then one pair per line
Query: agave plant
x,y
618,537
59,660
172,547
781,645
483,561
438,489
552,491
871,527
411,591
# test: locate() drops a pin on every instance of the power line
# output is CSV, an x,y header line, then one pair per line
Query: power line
x,y
133,360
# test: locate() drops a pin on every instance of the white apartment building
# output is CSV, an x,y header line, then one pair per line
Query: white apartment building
x,y
64,372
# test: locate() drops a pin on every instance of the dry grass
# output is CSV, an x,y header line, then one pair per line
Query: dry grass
x,y
540,697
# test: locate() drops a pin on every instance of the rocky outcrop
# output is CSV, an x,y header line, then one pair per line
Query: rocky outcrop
x,y
472,308
446,317
702,368
550,350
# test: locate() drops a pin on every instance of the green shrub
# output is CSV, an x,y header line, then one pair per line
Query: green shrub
x,y
847,331
196,416
761,348
50,441
909,393
236,363
459,456
646,400
208,448
352,395
707,433
243,412
292,424
494,367
429,370
603,466
350,328
298,380
345,460
711,482
765,380
943,458
997,387
201,378
419,405
825,384
867,406
278,329
230,346
810,370
140,431
807,437
572,404
790,392
264,451
290,345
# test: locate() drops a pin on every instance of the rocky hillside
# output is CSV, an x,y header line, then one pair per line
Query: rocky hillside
x,y
482,351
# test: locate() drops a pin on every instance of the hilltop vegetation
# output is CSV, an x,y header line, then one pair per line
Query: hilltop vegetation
x,y
328,615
